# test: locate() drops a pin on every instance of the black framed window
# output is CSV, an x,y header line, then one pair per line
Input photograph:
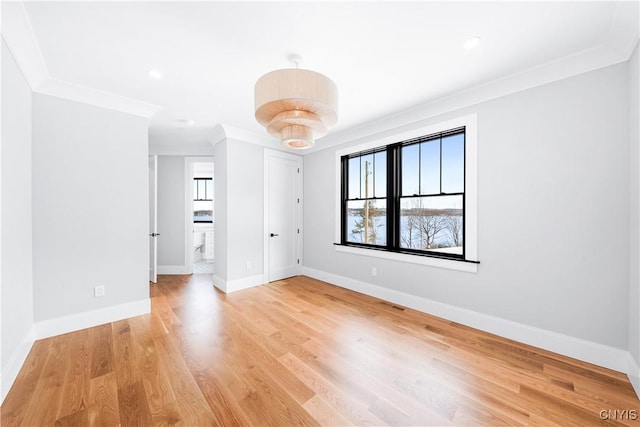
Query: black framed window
x,y
366,202
407,197
202,189
202,200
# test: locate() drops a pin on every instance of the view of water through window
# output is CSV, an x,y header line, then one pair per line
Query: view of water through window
x,y
430,201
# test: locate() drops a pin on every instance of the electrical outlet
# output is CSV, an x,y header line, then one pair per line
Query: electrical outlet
x,y
374,271
98,291
248,265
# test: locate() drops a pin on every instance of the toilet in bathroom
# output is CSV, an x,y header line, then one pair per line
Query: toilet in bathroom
x,y
198,242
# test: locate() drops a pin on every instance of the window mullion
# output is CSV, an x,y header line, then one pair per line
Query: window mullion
x,y
420,168
344,188
393,188
440,142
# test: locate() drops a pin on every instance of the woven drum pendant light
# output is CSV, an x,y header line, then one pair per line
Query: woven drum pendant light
x,y
296,105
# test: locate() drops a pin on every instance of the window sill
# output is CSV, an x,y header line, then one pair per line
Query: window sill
x,y
449,264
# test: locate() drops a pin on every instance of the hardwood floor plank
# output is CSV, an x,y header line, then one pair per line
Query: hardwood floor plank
x,y
102,351
153,373
561,411
75,419
103,401
361,380
221,399
354,410
282,410
127,372
325,414
394,416
607,395
14,407
49,387
194,409
132,405
75,390
478,391
302,352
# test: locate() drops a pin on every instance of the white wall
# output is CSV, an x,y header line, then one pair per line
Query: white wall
x,y
16,254
553,209
238,209
220,214
245,221
171,211
634,216
90,204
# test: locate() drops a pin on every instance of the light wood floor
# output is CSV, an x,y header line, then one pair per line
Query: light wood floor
x,y
302,352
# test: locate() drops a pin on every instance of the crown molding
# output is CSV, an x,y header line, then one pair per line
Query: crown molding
x,y
218,135
233,133
87,95
569,66
625,28
17,33
19,37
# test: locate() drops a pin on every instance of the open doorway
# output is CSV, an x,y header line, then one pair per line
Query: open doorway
x,y
200,218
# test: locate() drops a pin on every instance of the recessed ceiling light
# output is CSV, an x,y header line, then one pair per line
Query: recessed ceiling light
x,y
472,42
155,74
186,123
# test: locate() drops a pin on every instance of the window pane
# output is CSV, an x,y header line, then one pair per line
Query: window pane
x,y
380,174
366,169
200,189
432,223
203,211
410,170
430,167
209,187
354,178
453,164
367,221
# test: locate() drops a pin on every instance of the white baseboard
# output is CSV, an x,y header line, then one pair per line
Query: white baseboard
x,y
238,284
588,351
88,319
11,370
633,372
173,269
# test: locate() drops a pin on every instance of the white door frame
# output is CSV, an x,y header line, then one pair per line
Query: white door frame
x,y
268,154
153,218
188,205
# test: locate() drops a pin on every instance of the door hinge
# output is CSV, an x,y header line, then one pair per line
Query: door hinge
x,y
298,261
298,200
298,231
298,170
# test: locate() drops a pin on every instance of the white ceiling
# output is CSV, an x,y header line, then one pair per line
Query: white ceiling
x,y
383,56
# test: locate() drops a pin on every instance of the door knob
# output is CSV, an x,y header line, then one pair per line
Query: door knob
x,y
154,234
273,235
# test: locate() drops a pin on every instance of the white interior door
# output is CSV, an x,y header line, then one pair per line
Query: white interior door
x,y
283,222
153,218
